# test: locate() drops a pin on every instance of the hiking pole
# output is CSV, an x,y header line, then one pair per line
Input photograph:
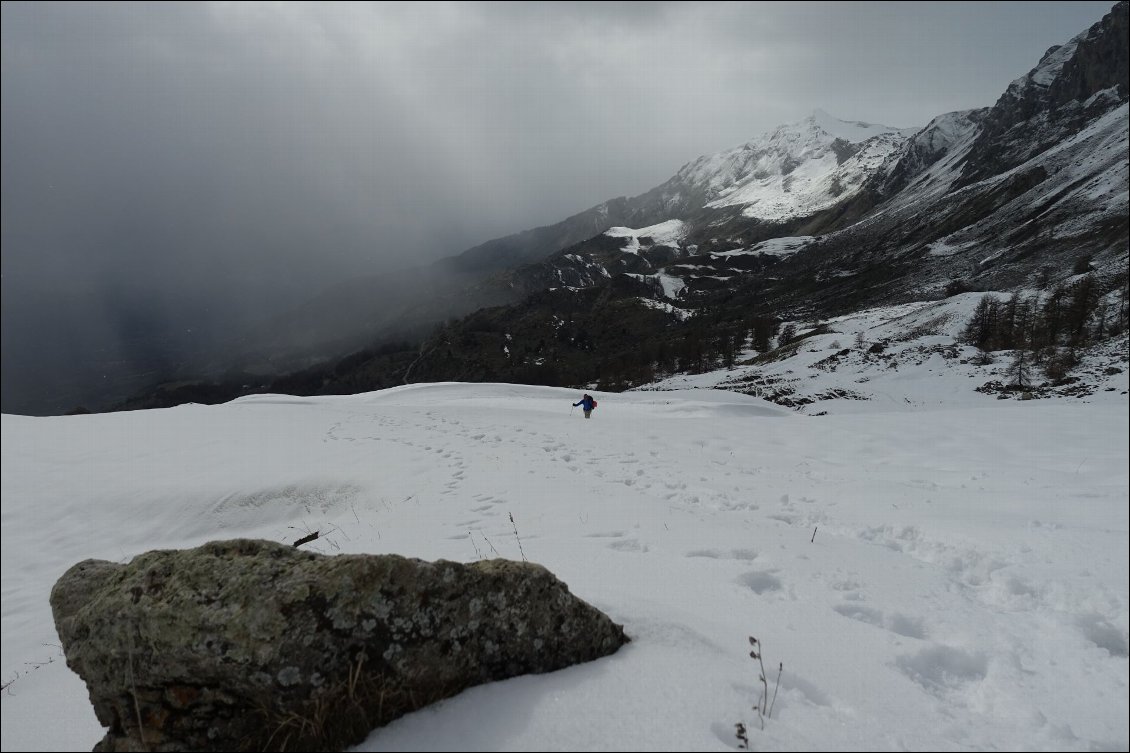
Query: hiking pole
x,y
572,409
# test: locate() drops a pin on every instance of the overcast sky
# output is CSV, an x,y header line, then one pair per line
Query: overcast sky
x,y
168,135
245,149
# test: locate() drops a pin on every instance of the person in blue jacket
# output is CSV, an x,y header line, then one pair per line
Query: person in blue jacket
x,y
587,404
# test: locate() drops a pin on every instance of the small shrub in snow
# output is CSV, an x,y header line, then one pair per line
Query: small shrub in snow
x,y
1020,372
522,551
743,738
764,706
983,358
1059,364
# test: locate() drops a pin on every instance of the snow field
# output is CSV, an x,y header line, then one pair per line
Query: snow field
x,y
966,587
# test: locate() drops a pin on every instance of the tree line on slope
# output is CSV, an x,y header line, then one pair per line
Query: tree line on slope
x,y
1046,329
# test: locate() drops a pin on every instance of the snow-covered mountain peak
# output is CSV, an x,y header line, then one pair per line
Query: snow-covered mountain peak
x,y
795,169
950,127
851,131
1048,68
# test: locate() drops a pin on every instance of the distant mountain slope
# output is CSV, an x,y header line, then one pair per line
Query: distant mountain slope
x,y
780,175
814,177
814,219
988,197
924,215
778,178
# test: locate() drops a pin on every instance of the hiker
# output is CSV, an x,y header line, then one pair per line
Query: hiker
x,y
586,403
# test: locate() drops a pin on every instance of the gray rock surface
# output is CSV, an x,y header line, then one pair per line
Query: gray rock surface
x,y
252,645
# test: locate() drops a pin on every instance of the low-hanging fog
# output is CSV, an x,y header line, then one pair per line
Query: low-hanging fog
x,y
175,173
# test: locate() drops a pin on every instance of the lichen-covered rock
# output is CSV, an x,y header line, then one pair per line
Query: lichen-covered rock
x,y
252,645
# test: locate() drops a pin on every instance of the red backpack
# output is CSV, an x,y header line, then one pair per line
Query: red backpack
x,y
594,403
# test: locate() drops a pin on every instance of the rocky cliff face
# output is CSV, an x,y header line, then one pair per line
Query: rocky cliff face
x,y
1072,85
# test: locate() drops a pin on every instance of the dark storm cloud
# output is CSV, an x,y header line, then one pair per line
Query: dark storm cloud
x,y
198,135
229,157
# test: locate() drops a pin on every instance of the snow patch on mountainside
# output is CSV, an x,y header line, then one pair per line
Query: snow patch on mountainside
x,y
671,285
942,248
670,233
680,314
781,247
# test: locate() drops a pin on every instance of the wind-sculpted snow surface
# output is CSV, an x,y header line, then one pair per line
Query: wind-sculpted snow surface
x,y
931,576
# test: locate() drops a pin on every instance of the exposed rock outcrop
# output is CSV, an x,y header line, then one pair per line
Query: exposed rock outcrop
x,y
1072,85
252,645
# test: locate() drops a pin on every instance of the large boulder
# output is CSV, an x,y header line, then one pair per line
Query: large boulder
x,y
252,645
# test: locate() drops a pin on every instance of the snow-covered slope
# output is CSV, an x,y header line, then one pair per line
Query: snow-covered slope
x,y
929,163
908,357
929,579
